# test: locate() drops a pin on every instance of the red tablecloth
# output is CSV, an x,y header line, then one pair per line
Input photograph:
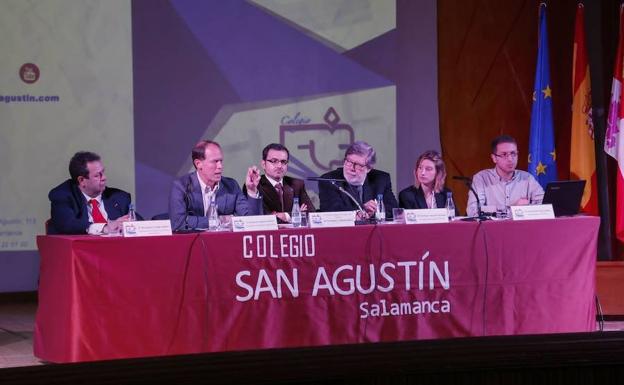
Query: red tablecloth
x,y
105,298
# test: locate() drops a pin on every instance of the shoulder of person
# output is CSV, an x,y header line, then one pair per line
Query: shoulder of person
x,y
484,175
263,185
185,179
229,183
289,180
378,174
524,174
62,189
408,190
334,174
115,192
484,172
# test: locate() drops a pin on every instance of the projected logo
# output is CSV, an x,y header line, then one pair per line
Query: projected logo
x,y
316,148
29,73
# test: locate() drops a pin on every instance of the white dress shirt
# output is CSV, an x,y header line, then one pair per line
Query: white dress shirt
x,y
207,193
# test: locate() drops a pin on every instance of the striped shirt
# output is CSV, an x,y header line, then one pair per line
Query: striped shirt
x,y
494,191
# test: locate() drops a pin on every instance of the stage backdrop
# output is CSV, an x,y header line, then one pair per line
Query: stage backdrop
x,y
312,75
141,81
65,86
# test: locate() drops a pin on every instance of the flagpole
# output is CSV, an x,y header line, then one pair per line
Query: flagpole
x,y
595,53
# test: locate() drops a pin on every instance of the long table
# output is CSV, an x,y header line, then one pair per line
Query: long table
x,y
106,298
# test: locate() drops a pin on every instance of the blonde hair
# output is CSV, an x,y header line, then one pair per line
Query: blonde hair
x,y
440,168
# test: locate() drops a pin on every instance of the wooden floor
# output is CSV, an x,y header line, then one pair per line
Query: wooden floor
x,y
17,322
610,286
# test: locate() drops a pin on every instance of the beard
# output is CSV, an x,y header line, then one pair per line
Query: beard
x,y
355,180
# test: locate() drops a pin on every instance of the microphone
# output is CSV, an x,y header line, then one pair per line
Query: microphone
x,y
468,182
350,196
463,178
319,179
334,182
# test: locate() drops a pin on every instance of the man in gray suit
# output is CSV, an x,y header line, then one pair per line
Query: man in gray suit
x,y
192,193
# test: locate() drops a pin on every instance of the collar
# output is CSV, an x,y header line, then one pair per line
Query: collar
x,y
97,198
273,181
203,186
500,179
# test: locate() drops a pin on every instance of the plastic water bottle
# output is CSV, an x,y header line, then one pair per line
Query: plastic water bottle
x,y
295,215
131,213
380,213
450,205
213,215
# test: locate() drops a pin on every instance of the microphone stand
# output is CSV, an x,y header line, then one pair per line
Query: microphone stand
x,y
334,182
481,215
365,221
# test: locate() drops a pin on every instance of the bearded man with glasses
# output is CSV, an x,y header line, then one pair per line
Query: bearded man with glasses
x,y
504,186
362,181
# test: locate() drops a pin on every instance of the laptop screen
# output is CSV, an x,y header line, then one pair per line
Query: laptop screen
x,y
565,196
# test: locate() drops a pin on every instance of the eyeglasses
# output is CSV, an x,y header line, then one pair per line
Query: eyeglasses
x,y
512,155
274,162
354,165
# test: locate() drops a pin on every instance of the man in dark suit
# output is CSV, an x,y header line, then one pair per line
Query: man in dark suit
x,y
83,204
277,189
192,194
362,182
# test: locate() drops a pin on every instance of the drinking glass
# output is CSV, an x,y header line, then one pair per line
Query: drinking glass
x,y
398,215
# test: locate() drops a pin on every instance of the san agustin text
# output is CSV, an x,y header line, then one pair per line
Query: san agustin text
x,y
420,275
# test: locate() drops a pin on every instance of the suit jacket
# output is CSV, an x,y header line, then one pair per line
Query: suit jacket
x,y
69,213
414,198
376,182
186,193
293,188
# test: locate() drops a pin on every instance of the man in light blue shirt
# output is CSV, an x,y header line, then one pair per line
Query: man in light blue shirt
x,y
503,185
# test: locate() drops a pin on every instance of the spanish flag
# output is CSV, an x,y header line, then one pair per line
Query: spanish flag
x,y
582,151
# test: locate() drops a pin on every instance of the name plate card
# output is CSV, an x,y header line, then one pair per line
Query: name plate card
x,y
332,219
530,212
420,216
254,223
146,228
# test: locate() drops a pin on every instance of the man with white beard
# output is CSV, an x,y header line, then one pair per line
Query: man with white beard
x,y
363,182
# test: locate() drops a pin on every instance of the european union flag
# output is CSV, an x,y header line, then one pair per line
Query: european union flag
x,y
542,153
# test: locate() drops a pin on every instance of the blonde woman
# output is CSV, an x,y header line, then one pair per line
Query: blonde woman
x,y
428,191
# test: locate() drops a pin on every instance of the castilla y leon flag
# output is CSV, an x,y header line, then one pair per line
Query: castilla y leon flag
x,y
582,152
614,138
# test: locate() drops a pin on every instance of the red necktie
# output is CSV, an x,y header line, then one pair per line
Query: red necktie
x,y
280,192
95,212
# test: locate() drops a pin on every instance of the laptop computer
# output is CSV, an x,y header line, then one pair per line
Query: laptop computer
x,y
565,196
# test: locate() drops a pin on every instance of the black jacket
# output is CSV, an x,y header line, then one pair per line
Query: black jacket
x,y
376,182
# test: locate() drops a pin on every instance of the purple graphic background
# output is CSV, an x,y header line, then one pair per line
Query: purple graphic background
x,y
191,58
213,53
